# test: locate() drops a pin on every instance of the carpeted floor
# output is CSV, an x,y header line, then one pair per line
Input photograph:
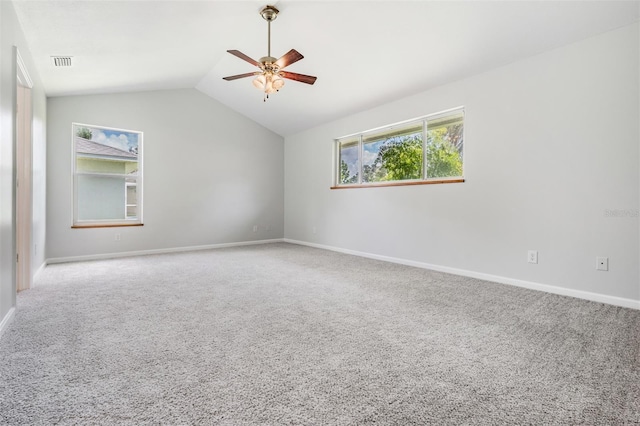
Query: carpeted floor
x,y
283,334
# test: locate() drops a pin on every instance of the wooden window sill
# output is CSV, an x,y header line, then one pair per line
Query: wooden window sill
x,y
398,183
105,225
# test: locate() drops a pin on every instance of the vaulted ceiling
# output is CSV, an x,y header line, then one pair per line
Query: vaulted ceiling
x,y
364,53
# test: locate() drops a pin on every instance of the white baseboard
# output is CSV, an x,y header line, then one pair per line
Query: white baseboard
x,y
594,297
158,251
7,320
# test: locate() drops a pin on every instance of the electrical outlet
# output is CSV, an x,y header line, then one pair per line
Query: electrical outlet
x,y
532,256
255,228
268,228
117,237
314,230
602,263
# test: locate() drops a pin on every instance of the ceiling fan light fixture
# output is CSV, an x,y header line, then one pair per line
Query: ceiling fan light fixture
x,y
268,86
259,82
270,78
277,82
273,83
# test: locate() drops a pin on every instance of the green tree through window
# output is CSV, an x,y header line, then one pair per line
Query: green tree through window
x,y
396,153
345,175
84,133
443,158
401,158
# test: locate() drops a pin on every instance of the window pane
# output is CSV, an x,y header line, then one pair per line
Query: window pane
x,y
92,165
101,197
132,212
349,164
107,174
430,147
393,154
445,146
131,200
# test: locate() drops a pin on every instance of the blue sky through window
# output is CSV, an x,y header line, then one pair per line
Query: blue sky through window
x,y
349,155
126,141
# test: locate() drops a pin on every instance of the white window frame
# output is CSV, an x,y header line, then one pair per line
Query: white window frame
x,y
126,195
98,223
360,136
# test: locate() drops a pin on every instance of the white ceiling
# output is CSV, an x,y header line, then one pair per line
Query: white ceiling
x,y
364,53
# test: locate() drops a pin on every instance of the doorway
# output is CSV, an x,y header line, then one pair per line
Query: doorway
x,y
24,184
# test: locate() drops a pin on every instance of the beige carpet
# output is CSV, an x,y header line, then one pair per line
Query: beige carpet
x,y
283,334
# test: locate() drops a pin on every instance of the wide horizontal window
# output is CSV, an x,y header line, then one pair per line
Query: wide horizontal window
x,y
422,150
107,176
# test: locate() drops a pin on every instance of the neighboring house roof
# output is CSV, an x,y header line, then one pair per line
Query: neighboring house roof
x,y
85,146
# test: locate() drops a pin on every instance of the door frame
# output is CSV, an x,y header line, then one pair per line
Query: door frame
x,y
23,149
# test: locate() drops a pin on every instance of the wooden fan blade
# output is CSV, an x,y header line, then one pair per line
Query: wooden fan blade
x,y
289,58
235,77
309,79
242,56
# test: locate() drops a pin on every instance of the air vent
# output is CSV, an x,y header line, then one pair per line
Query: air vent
x,y
61,61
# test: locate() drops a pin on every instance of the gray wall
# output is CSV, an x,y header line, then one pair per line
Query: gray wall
x,y
551,144
210,174
11,35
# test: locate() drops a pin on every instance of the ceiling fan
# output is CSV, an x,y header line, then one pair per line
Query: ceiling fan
x,y
270,77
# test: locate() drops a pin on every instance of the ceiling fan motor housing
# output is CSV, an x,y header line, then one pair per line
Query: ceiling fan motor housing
x,y
269,62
